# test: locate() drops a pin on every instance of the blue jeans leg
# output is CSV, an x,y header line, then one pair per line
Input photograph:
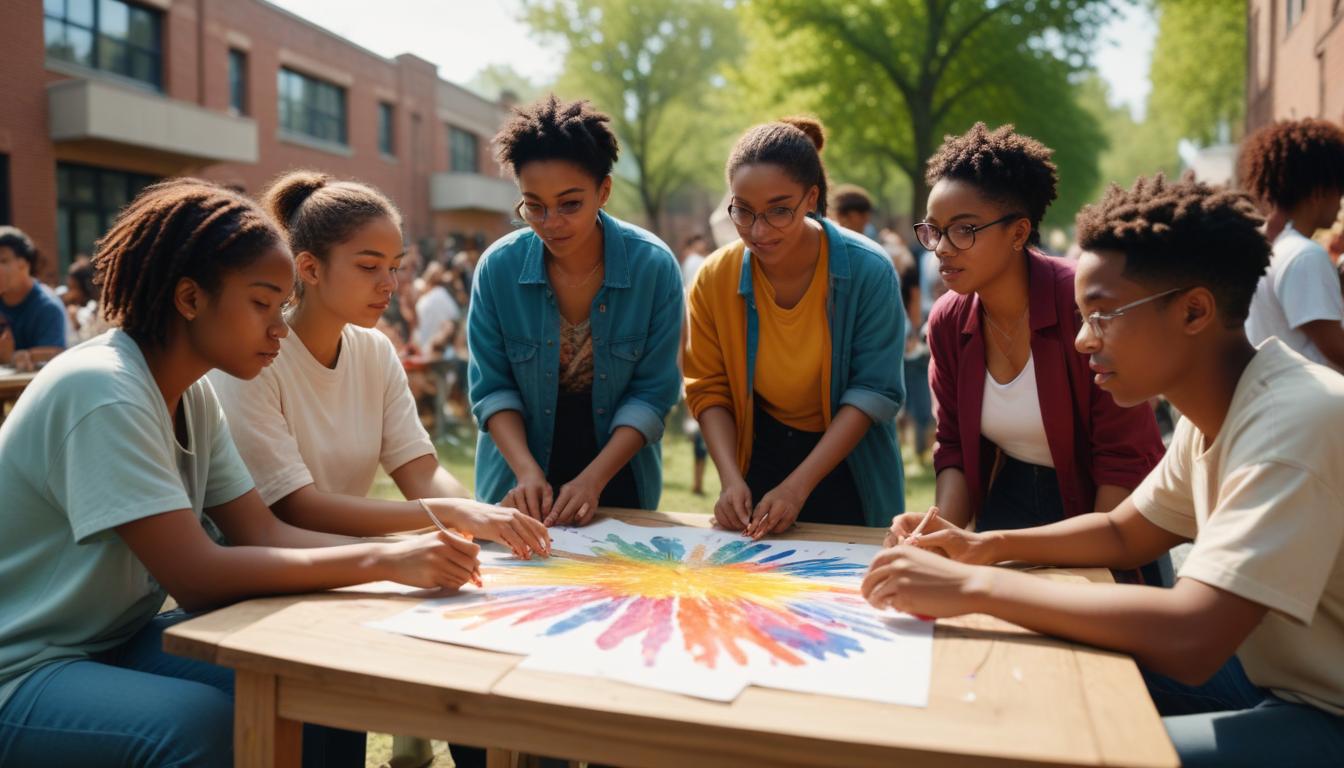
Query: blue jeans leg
x,y
1275,732
1228,721
136,705
323,747
90,714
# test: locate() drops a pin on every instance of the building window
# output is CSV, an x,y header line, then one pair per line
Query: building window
x,y
463,156
87,201
106,34
312,107
386,128
238,81
1295,9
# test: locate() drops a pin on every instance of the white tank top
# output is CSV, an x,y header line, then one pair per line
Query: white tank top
x,y
1010,417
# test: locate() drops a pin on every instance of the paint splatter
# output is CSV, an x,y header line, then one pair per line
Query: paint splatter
x,y
742,595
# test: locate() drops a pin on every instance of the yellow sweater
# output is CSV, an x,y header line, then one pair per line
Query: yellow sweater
x,y
716,344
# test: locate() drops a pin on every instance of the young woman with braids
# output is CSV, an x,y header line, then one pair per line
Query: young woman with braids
x,y
1025,435
793,360
111,462
573,330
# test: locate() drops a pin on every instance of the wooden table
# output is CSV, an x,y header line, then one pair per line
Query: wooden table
x,y
12,384
1000,695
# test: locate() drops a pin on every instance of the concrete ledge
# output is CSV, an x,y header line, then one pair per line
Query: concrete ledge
x,y
321,145
87,109
471,192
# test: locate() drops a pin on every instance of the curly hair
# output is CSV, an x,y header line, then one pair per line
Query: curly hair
x,y
1286,162
551,129
17,241
1004,165
1182,234
791,143
317,211
182,228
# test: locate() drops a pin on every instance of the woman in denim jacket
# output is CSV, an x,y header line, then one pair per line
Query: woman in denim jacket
x,y
573,331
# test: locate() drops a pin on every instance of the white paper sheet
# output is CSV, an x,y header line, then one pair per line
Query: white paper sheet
x,y
689,610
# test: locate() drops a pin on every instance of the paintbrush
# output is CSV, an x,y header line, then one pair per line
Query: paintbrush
x,y
476,574
932,513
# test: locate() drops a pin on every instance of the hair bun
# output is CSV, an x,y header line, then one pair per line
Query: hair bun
x,y
810,126
290,191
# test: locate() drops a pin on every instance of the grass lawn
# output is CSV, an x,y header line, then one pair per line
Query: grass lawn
x,y
456,454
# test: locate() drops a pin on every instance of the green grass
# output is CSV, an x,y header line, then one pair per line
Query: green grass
x,y
457,452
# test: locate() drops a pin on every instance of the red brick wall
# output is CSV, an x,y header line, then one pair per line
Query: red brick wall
x,y
196,40
23,127
1297,71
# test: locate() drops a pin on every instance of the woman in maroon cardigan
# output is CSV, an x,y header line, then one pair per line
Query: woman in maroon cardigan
x,y
1025,436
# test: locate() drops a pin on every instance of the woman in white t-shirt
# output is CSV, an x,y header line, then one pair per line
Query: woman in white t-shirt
x,y
112,462
315,426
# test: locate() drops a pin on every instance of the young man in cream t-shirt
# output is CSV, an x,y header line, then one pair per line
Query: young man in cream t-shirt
x,y
1244,656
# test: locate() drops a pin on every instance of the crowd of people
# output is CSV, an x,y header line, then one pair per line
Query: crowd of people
x,y
219,442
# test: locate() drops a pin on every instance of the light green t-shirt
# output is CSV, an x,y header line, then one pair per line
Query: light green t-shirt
x,y
88,447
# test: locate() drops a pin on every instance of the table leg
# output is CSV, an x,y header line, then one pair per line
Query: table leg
x,y
261,738
500,758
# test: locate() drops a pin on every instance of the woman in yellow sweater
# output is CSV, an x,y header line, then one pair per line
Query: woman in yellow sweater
x,y
793,358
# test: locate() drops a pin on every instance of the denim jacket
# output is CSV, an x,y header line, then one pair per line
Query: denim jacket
x,y
513,331
867,322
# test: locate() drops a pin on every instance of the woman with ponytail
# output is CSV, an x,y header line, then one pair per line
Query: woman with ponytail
x,y
793,360
315,426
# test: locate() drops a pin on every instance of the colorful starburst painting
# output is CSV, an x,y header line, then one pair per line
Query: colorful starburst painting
x,y
690,610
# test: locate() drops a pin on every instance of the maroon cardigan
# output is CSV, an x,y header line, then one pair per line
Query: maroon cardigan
x,y
1092,440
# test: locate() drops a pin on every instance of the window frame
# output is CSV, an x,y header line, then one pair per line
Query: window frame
x,y
310,91
387,129
102,43
454,132
238,71
70,205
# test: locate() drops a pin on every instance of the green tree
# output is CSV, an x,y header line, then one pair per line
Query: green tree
x,y
654,66
1133,148
892,77
1199,69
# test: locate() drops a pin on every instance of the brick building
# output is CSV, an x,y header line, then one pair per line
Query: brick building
x,y
101,97
1295,60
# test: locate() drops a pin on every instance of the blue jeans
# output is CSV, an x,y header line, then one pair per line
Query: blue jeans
x,y
136,705
1230,722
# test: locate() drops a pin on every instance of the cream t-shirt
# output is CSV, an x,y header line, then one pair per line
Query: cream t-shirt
x,y
301,423
1264,505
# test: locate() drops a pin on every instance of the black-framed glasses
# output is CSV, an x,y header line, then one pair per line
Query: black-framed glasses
x,y
536,213
962,236
1098,321
779,216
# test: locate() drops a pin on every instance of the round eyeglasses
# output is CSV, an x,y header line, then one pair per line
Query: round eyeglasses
x,y
961,236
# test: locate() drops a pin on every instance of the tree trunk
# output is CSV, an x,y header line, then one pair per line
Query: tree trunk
x,y
922,130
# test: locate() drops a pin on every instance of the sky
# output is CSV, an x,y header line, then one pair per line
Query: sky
x,y
463,36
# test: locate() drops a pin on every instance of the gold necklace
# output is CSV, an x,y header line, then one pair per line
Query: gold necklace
x,y
1010,337
557,271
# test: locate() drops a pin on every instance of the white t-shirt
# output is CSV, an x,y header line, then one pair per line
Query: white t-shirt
x,y
88,447
1301,285
434,309
1264,505
301,423
1010,417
